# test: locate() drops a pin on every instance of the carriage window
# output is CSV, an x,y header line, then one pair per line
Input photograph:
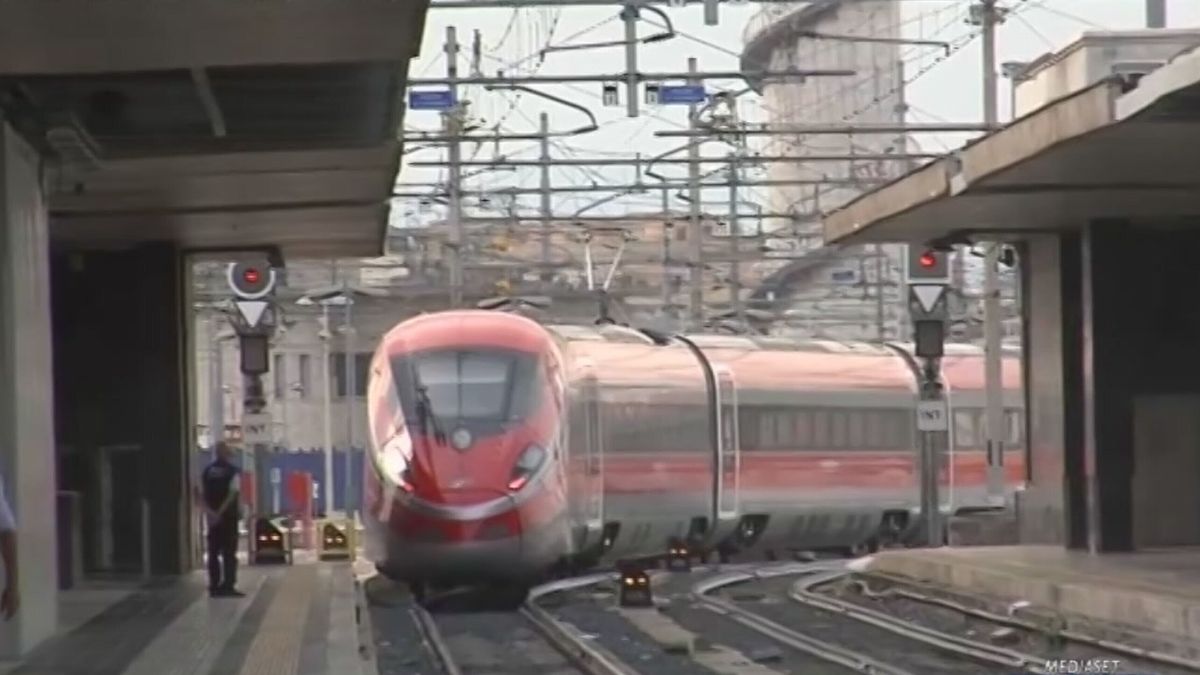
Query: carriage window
x,y
748,428
857,431
804,430
967,428
898,429
820,436
873,429
766,430
785,431
838,435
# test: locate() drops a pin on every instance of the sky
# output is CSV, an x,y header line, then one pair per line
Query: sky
x,y
512,39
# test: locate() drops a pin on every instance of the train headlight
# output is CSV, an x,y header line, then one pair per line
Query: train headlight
x,y
527,465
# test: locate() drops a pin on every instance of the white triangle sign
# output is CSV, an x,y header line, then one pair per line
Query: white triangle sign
x,y
252,311
928,295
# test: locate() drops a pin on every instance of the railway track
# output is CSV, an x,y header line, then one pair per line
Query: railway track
x,y
848,636
546,645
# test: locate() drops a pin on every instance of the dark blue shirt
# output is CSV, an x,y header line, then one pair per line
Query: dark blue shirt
x,y
217,482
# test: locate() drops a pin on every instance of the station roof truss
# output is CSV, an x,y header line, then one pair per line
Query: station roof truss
x,y
1112,150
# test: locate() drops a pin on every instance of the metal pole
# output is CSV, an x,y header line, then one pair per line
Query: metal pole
x,y
453,131
351,394
879,313
667,290
932,452
991,291
326,409
216,394
630,16
546,207
695,227
1156,13
735,272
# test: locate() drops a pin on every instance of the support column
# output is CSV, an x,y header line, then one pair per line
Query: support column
x,y
1108,419
27,445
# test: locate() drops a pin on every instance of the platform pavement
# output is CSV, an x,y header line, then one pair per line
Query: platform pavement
x,y
295,620
1154,592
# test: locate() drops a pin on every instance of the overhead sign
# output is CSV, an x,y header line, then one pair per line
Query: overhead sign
x,y
927,297
932,416
682,94
436,99
256,429
252,311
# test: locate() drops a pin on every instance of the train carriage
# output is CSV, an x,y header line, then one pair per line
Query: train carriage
x,y
503,448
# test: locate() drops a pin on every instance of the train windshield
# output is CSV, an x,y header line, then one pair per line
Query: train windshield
x,y
479,388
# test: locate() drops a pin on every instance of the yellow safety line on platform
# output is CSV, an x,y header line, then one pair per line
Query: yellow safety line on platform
x,y
276,648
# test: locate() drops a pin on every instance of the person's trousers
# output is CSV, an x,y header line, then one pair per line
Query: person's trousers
x,y
222,554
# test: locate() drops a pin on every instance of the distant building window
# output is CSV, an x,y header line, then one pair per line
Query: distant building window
x,y
304,378
337,370
280,374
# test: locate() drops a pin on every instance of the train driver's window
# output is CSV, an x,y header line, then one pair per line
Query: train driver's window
x,y
967,429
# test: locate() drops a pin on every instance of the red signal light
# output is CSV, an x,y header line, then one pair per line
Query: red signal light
x,y
251,275
927,260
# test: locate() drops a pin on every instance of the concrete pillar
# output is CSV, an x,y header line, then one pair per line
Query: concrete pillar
x,y
1110,344
27,447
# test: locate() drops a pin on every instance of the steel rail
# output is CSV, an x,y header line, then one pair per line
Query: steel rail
x,y
782,634
976,650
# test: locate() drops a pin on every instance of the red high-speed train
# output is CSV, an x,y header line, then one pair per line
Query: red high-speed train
x,y
503,448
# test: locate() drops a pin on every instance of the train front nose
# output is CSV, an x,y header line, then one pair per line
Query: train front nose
x,y
470,536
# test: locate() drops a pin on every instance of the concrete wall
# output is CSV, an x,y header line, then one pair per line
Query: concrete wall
x,y
26,394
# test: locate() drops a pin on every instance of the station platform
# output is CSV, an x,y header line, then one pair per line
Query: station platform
x,y
1149,593
300,619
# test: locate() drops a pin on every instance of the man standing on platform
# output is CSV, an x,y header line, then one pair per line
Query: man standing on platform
x,y
220,499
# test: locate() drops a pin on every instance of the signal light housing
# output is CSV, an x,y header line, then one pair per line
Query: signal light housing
x,y
271,542
928,265
335,542
678,555
635,588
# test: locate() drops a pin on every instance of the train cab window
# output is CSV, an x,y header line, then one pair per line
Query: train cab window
x,y
967,429
475,388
